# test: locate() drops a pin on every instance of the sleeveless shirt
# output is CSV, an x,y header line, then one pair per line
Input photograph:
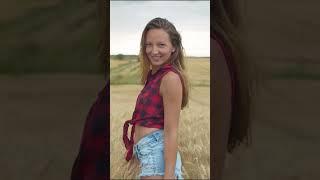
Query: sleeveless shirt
x,y
93,159
149,111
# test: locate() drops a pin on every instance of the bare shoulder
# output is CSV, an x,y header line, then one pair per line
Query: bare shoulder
x,y
170,83
171,77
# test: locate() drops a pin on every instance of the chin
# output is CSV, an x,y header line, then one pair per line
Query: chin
x,y
157,63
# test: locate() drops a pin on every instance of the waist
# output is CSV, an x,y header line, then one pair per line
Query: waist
x,y
141,131
129,142
147,124
154,136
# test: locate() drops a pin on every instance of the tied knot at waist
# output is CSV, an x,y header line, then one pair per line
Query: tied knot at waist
x,y
128,142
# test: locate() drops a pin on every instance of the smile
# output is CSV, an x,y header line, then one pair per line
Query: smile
x,y
156,57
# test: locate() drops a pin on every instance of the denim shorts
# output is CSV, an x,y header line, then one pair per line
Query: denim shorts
x,y
150,152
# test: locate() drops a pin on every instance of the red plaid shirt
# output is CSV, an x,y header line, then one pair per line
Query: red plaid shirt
x,y
92,160
149,108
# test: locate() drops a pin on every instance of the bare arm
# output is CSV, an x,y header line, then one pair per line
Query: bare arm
x,y
171,91
221,109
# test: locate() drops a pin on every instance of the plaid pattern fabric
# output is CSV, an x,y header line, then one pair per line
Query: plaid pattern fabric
x,y
149,108
92,160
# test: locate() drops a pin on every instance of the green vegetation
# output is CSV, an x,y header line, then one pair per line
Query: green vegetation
x,y
50,37
127,71
124,57
124,73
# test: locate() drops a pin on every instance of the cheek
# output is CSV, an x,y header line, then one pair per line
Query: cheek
x,y
165,51
148,50
168,53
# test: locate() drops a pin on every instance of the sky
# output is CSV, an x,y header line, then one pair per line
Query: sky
x,y
191,19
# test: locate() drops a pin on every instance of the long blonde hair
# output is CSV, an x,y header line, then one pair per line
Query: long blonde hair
x,y
176,59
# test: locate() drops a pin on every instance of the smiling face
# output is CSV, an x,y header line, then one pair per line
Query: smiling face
x,y
158,47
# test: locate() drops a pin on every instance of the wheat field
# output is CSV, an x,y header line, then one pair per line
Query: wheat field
x,y
194,124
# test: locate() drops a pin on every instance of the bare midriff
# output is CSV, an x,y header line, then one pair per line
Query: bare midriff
x,y
141,131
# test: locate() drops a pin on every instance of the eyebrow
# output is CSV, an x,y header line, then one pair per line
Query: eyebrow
x,y
161,42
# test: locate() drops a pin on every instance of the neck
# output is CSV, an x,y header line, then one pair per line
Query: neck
x,y
154,69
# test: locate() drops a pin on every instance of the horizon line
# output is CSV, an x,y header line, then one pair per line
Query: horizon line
x,y
138,55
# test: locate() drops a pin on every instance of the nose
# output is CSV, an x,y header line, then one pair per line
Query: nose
x,y
154,50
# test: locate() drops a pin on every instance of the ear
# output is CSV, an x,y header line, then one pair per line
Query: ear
x,y
173,50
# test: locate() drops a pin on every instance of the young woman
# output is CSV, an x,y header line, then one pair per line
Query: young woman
x,y
232,84
155,120
92,161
